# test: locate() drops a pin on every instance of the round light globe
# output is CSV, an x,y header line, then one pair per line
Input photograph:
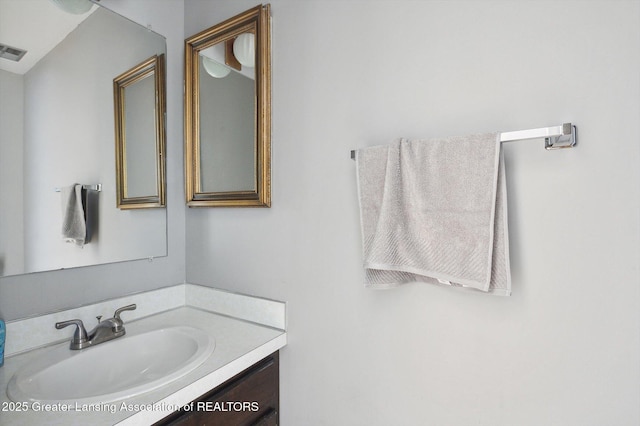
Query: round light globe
x,y
244,49
215,69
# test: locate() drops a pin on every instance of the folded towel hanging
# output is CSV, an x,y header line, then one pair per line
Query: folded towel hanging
x,y
435,211
74,229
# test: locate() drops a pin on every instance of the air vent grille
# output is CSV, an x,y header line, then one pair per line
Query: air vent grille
x,y
11,53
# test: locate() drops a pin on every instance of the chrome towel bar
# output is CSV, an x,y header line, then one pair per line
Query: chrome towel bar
x,y
97,187
555,137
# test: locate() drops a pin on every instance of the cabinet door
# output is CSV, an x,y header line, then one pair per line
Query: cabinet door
x,y
249,399
269,419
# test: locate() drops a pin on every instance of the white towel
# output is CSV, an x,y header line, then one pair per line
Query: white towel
x,y
74,228
435,211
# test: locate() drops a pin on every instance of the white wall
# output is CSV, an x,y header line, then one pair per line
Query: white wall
x,y
30,294
564,349
11,179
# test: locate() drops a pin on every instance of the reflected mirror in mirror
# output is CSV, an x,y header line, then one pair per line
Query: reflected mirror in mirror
x,y
57,115
140,140
228,113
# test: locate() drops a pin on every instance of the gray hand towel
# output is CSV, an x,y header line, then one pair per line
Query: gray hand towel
x,y
74,229
435,211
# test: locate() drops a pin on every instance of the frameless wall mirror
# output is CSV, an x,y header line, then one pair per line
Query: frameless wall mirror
x,y
140,138
57,129
228,113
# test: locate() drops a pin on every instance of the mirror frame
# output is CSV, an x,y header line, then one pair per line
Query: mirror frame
x,y
152,66
255,20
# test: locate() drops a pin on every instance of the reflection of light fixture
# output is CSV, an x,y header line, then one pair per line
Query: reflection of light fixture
x,y
244,49
76,7
215,69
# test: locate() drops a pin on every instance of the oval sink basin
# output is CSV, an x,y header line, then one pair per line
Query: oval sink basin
x,y
114,370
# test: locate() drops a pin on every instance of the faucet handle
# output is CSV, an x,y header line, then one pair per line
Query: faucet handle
x,y
116,316
124,308
80,335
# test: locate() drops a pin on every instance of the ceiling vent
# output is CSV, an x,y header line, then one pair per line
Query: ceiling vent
x,y
11,53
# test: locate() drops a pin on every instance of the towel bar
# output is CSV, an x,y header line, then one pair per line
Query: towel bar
x,y
97,187
556,137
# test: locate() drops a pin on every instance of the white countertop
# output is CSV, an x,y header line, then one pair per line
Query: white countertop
x,y
239,344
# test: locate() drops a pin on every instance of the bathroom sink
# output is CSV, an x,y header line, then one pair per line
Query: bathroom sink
x,y
115,370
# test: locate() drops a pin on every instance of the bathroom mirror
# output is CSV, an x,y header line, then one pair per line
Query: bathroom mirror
x,y
228,113
140,139
57,129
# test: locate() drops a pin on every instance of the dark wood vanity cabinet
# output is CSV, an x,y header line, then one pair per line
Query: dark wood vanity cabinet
x,y
250,398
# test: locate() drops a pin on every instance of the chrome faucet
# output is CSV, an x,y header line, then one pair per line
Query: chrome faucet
x,y
106,330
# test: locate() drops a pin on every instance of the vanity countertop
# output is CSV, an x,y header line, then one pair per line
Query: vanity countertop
x,y
239,344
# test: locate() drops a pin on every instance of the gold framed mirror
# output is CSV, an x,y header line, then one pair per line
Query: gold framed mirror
x,y
139,103
228,113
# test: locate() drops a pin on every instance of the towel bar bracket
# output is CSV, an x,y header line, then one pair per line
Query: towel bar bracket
x,y
566,140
